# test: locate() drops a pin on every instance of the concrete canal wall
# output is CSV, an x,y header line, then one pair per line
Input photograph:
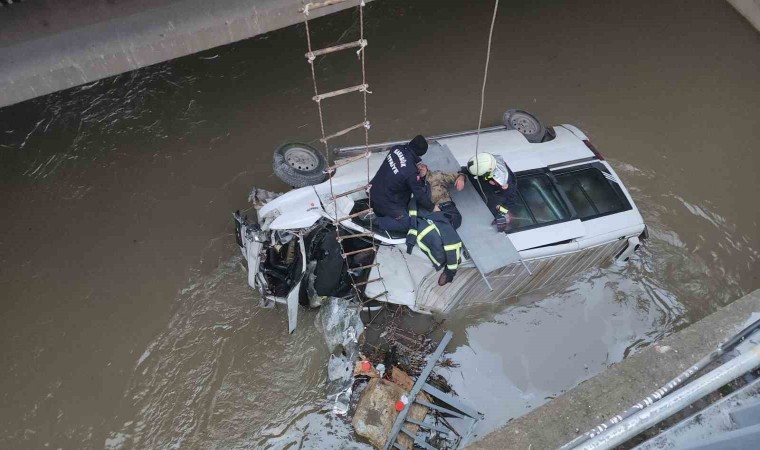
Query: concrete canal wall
x,y
622,385
750,9
48,45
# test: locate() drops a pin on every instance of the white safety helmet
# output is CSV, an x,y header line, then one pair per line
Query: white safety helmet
x,y
481,164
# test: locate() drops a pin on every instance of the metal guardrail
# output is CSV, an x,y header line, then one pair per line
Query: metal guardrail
x,y
672,398
668,387
675,402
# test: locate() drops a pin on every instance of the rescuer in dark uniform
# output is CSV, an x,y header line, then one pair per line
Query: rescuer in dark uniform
x,y
401,175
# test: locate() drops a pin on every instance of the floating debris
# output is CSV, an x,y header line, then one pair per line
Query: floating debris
x,y
341,326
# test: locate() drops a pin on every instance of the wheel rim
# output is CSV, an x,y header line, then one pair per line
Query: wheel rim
x,y
301,159
524,125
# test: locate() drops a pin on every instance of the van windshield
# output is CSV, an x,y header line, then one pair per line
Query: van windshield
x,y
543,200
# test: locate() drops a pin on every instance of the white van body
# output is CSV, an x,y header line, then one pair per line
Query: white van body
x,y
587,219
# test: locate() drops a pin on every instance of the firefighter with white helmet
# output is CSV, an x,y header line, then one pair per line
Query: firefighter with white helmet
x,y
495,182
481,164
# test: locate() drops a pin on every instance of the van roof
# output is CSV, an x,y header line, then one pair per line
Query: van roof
x,y
518,153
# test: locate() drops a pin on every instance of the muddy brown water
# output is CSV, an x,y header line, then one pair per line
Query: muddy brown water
x,y
126,320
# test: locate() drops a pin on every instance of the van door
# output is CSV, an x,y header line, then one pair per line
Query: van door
x,y
548,235
292,299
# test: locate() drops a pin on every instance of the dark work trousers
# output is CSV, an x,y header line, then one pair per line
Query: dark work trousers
x,y
393,224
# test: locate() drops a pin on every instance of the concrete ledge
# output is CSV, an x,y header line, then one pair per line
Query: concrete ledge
x,y
750,9
47,46
622,384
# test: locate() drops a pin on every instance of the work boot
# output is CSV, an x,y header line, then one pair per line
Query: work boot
x,y
502,222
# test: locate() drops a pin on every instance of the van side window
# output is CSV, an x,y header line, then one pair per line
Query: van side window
x,y
591,193
539,204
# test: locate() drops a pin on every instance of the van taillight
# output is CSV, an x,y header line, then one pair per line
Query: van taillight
x,y
593,149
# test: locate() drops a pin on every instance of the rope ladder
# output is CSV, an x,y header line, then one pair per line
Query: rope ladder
x,y
362,88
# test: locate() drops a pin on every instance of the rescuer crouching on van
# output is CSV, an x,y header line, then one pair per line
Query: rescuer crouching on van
x,y
400,175
495,182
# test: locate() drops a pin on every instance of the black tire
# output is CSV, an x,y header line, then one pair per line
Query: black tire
x,y
299,165
526,123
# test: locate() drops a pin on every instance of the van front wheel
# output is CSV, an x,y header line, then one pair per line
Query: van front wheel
x,y
299,165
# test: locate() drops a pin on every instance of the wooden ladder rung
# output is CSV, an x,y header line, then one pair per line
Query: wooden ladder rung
x,y
368,266
368,281
316,5
344,162
351,216
359,87
344,255
336,48
352,191
352,236
344,131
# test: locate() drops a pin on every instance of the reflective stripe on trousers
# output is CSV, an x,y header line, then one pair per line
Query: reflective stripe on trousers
x,y
424,247
453,247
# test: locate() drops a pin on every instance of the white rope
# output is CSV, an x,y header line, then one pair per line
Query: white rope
x,y
316,92
366,137
483,89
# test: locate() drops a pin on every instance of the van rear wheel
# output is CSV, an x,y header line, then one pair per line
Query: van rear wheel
x,y
526,123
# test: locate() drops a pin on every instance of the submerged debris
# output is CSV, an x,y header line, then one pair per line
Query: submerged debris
x,y
378,373
396,344
399,411
376,412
